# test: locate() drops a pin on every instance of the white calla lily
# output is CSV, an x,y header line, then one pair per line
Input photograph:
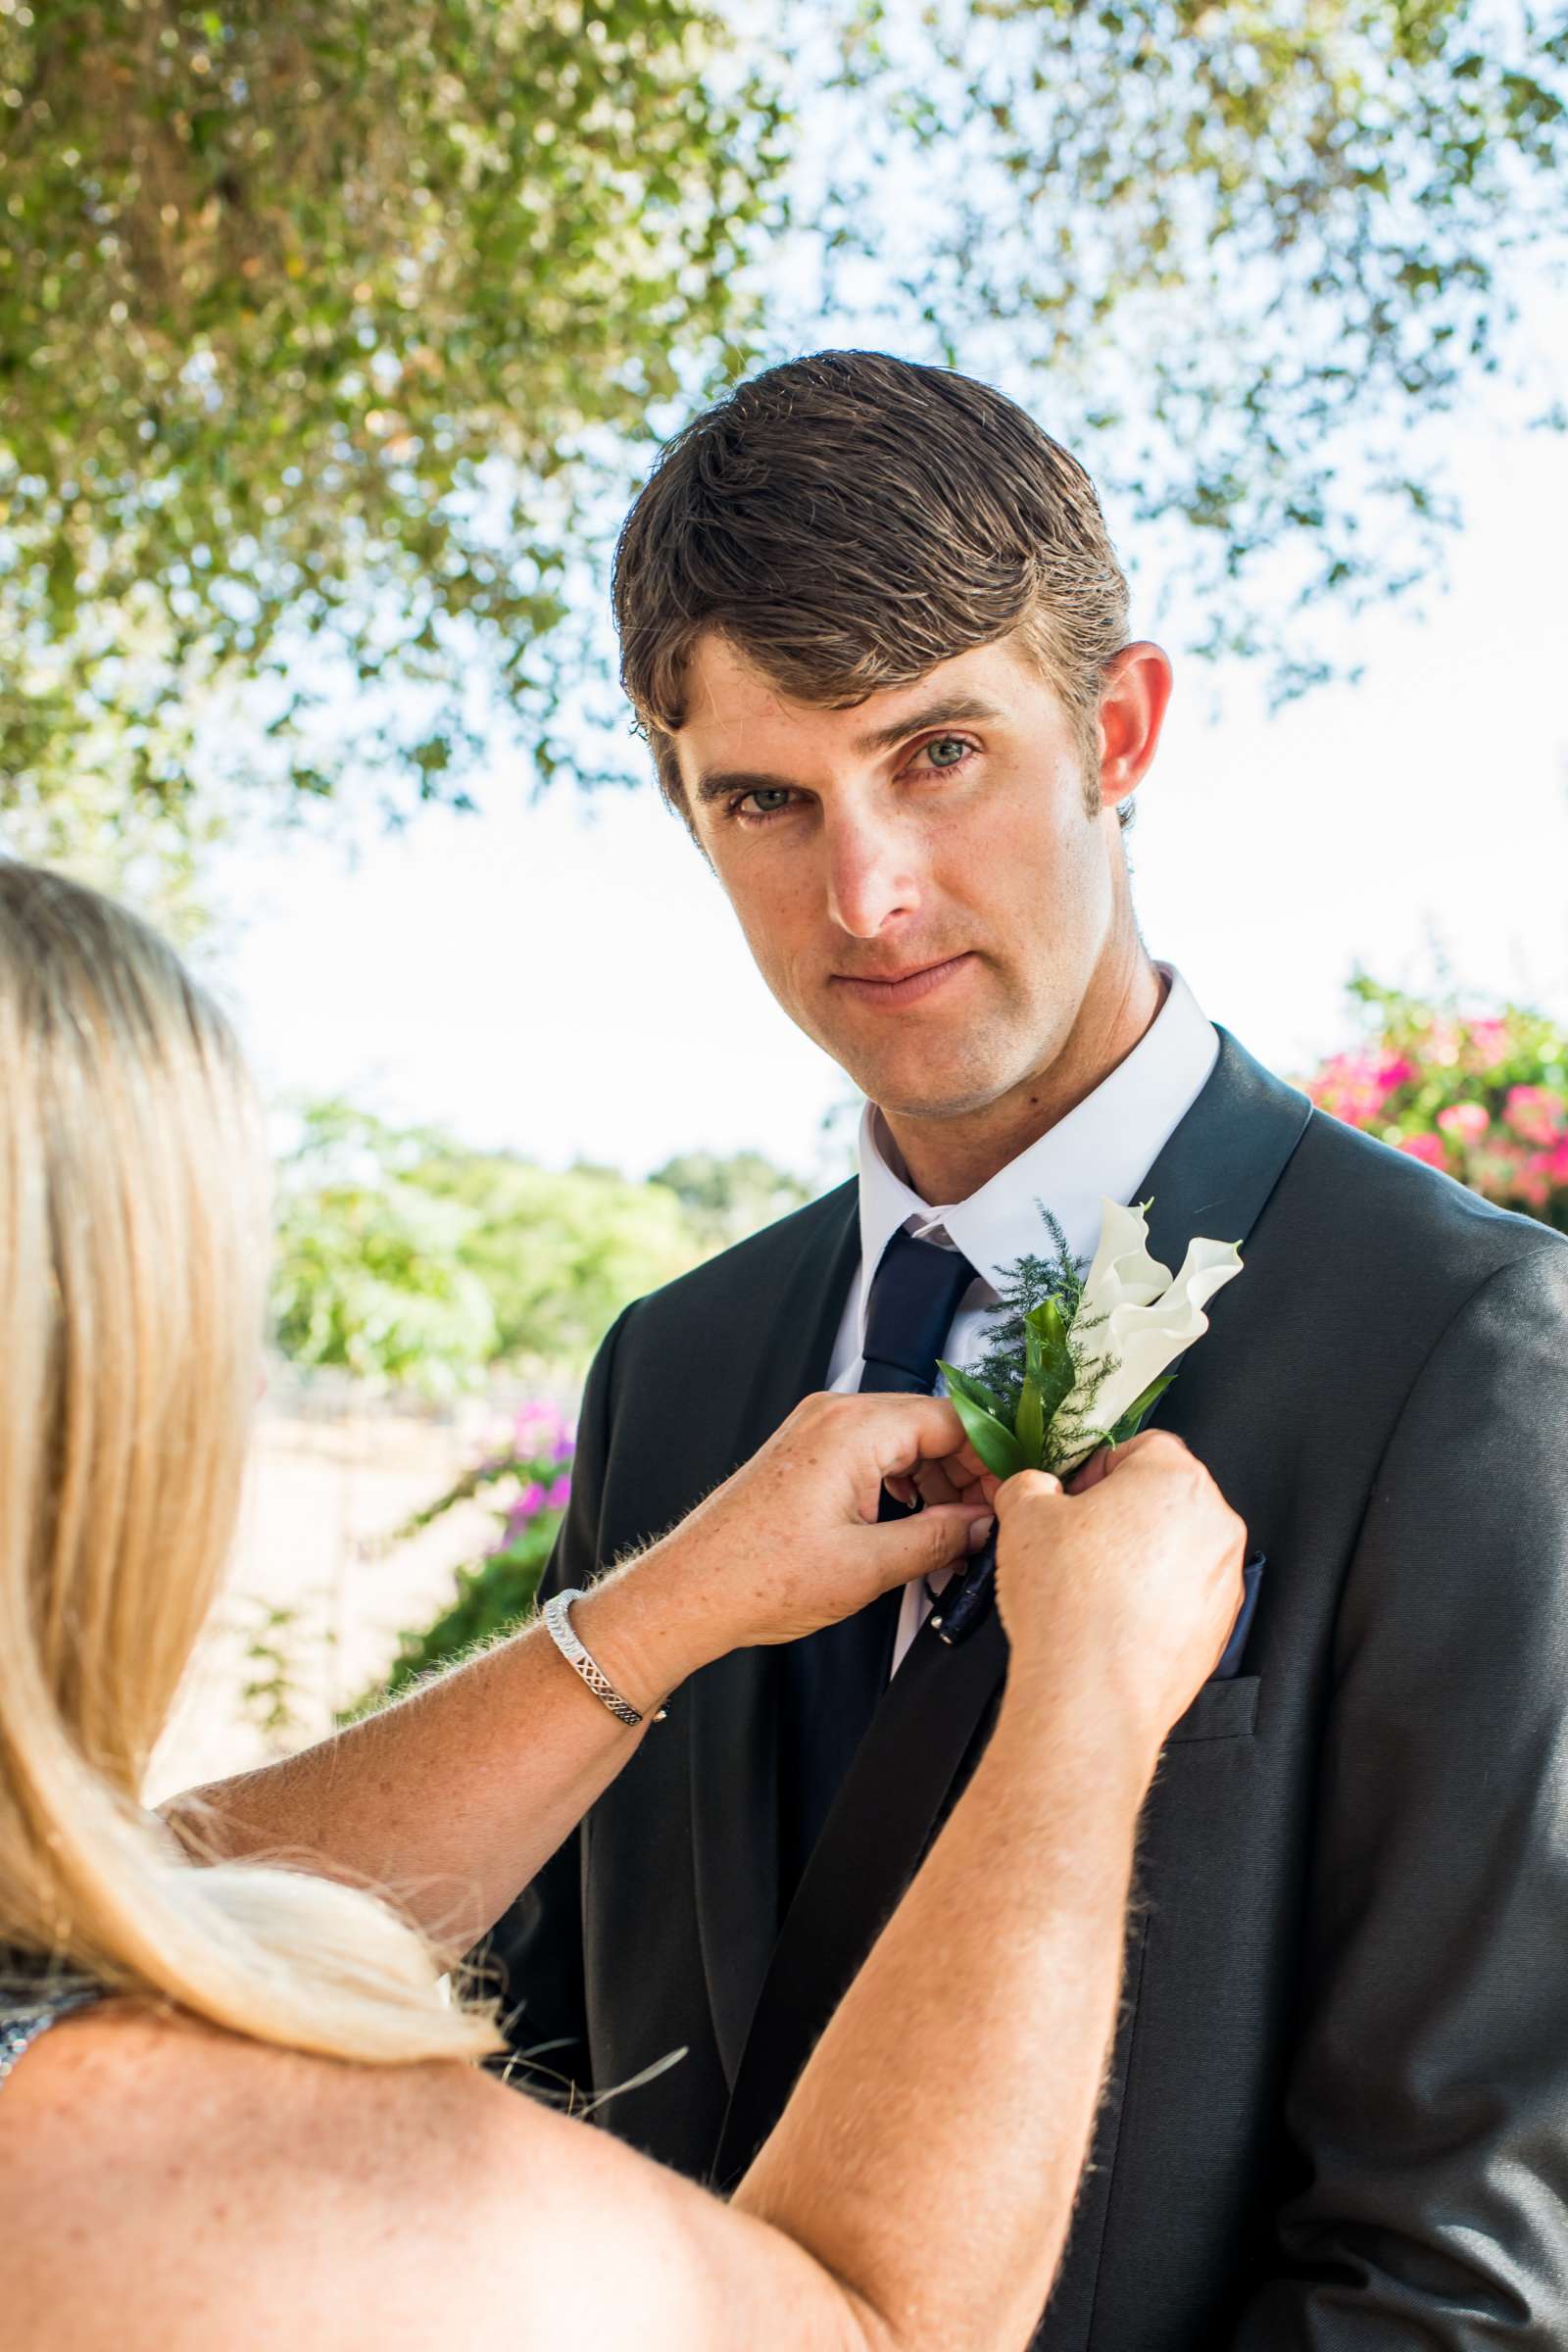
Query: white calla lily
x,y
1138,1319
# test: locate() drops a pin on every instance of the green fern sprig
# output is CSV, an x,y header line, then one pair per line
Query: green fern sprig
x,y
1029,1402
1022,1288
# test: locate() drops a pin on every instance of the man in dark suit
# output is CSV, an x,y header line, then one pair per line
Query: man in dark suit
x,y
878,639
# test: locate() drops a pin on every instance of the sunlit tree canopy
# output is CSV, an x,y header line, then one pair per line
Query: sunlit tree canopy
x,y
310,325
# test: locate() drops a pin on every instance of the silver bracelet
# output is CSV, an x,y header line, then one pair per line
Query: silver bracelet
x,y
557,1625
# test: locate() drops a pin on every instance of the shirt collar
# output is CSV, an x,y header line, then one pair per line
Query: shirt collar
x,y
1100,1150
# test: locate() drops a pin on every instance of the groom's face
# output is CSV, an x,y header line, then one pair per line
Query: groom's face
x,y
918,876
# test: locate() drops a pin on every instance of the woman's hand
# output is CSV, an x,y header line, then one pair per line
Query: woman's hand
x,y
792,1541
1118,1597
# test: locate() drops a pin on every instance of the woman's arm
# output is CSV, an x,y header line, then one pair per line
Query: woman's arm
x,y
451,1799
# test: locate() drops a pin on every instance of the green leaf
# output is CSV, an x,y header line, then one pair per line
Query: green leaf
x,y
1056,1371
1044,1320
1137,1412
366,379
1031,1426
965,1383
991,1439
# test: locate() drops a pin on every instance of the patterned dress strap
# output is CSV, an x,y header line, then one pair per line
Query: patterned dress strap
x,y
22,2024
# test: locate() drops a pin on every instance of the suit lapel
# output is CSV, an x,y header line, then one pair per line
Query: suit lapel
x,y
734,1704
1213,1177
1218,1169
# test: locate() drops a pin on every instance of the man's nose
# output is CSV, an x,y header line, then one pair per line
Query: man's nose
x,y
870,877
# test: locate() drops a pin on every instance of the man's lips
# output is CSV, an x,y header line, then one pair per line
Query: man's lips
x,y
901,988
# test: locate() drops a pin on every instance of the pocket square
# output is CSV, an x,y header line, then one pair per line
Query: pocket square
x,y
1230,1665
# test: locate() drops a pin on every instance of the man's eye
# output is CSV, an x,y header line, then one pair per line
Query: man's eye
x,y
948,750
768,799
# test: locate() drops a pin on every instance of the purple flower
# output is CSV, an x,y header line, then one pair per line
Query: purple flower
x,y
558,1496
529,1503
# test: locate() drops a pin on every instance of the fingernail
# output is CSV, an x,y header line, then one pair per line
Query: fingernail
x,y
980,1534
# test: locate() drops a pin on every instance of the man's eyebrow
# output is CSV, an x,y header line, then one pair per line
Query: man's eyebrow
x,y
719,782
947,714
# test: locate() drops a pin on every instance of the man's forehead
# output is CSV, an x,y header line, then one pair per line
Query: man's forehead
x,y
722,681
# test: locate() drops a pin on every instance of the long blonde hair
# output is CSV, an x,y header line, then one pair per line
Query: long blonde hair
x,y
133,1253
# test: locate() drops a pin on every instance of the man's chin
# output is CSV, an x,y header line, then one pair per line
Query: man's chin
x,y
937,1108
935,1069
934,1095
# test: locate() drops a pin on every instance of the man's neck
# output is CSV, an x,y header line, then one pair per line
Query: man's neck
x,y
946,1160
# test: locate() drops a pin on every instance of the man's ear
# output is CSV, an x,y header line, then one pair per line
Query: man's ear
x,y
1132,711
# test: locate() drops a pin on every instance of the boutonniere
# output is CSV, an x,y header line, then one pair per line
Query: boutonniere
x,y
1076,1360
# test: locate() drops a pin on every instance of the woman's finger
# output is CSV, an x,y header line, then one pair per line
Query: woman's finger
x,y
1026,1485
937,1486
926,1544
1091,1472
905,1432
1112,1458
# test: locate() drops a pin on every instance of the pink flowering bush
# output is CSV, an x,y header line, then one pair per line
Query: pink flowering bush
x,y
1482,1095
527,1481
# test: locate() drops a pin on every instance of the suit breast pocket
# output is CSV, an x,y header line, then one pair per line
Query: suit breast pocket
x,y
1222,1711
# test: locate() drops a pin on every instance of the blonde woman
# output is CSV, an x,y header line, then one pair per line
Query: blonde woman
x,y
256,2119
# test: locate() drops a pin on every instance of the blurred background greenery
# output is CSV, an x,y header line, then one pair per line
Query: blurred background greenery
x,y
409,1261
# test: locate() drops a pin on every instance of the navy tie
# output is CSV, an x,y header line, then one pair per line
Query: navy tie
x,y
834,1678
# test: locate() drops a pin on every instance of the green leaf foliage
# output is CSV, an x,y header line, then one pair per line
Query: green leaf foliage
x,y
1137,1412
1041,1369
994,1444
1030,1427
560,1253
1236,254
332,339
408,1260
318,327
728,1197
371,1279
1039,1300
1057,1369
965,1385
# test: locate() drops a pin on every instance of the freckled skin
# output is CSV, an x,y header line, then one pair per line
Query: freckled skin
x,y
967,839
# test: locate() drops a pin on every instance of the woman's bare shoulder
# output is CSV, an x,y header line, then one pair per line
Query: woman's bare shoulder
x,y
168,2186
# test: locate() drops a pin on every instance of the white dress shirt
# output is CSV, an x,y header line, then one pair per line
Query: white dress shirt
x,y
1102,1150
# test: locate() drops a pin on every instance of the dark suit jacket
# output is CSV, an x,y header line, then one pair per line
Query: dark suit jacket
x,y
1339,2113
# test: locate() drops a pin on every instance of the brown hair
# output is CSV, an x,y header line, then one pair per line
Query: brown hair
x,y
847,522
